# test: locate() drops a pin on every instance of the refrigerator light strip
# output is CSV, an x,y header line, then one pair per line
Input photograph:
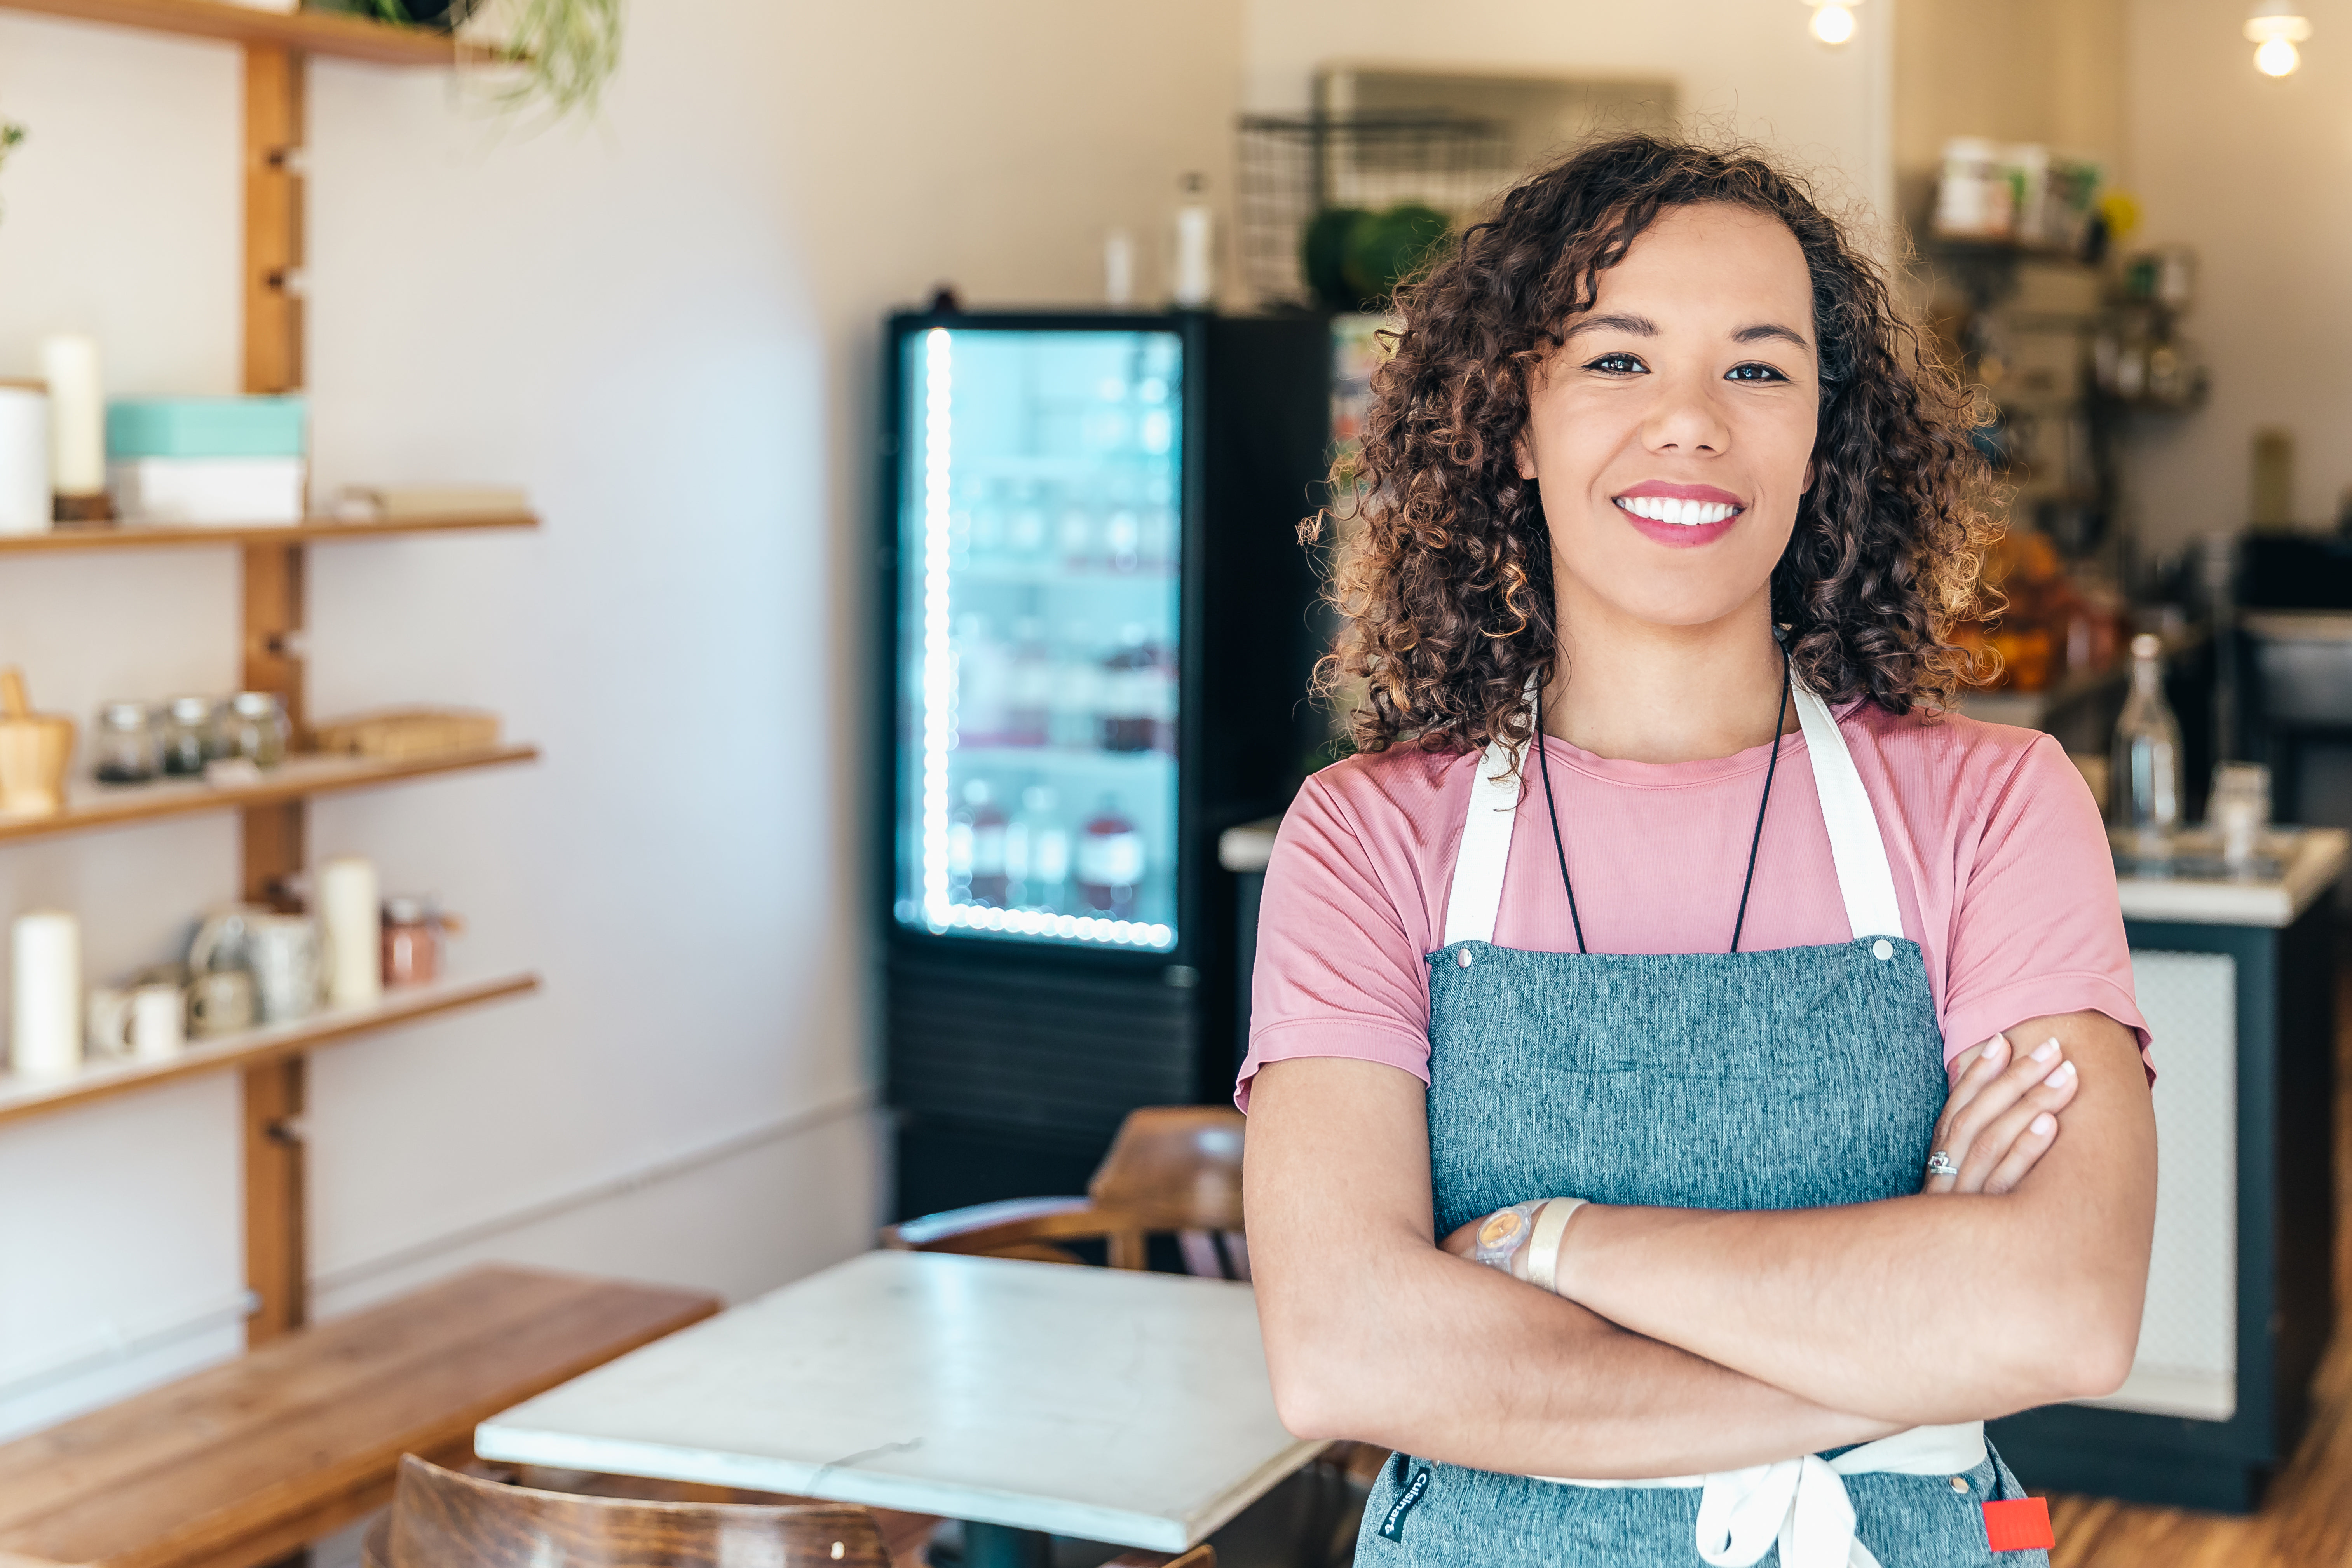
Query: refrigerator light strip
x,y
939,654
1086,928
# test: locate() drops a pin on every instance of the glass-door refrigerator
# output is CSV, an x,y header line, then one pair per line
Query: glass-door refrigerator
x,y
1100,635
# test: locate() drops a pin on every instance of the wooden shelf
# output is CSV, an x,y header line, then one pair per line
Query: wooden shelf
x,y
311,531
255,1047
310,32
92,807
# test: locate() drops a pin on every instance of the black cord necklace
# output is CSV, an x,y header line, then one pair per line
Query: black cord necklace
x,y
1755,842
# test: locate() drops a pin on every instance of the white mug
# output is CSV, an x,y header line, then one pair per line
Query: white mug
x,y
159,1022
107,1021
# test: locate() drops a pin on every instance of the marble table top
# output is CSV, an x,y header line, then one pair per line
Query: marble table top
x,y
1103,1404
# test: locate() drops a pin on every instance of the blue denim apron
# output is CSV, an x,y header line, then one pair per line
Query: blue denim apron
x,y
1799,1077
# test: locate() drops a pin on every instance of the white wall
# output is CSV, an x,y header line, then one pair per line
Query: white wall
x,y
1745,68
2254,180
666,329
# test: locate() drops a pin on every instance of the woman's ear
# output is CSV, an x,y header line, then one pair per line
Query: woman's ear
x,y
1527,457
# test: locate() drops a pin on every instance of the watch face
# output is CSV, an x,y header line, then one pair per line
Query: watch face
x,y
1501,1230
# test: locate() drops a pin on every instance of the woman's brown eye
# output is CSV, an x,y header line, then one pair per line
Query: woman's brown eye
x,y
1618,364
1753,372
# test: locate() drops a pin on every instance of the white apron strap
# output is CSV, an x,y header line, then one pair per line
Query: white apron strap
x,y
1865,878
1476,898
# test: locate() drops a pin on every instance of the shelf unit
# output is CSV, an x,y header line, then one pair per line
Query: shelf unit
x,y
272,817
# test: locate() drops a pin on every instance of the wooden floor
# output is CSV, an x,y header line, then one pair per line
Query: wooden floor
x,y
2308,1520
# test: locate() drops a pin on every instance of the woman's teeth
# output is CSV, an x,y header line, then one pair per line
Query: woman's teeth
x,y
1666,508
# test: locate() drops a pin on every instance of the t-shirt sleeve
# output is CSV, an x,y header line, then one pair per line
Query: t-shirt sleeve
x,y
2038,929
1337,972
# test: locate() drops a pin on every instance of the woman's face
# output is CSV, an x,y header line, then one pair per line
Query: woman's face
x,y
1672,435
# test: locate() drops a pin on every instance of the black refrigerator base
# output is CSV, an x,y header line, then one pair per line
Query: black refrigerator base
x,y
942,1164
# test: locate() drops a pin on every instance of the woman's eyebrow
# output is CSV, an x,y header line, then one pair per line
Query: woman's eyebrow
x,y
1764,329
1640,326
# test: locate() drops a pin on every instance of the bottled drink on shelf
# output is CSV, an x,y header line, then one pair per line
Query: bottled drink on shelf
x,y
1129,695
988,824
1025,540
1070,722
1029,686
983,682
1122,541
1076,539
1110,862
1043,851
2147,757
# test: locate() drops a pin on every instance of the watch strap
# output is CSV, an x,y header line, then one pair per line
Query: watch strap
x,y
1543,1245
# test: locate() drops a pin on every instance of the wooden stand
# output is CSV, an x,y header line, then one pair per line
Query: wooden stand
x,y
277,47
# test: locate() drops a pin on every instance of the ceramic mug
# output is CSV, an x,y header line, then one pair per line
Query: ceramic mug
x,y
220,1002
106,1031
158,1022
284,951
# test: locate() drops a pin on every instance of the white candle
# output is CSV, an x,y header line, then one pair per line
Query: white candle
x,y
25,506
77,414
45,984
353,909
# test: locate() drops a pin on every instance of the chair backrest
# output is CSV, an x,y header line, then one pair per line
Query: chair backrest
x,y
1176,1167
440,1519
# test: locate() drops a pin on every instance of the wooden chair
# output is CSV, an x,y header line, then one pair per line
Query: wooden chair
x,y
445,1518
1172,1168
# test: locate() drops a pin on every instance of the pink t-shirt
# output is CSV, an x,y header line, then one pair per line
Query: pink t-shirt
x,y
2001,865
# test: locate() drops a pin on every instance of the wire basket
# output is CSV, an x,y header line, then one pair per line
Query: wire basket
x,y
1291,167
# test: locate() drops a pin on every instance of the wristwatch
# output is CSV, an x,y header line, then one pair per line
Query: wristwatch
x,y
1502,1233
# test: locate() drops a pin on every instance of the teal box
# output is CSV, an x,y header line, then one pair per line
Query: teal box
x,y
206,428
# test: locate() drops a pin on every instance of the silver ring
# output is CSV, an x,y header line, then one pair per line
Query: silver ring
x,y
1940,1164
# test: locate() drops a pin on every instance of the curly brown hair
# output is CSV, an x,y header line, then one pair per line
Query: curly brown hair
x,y
1445,598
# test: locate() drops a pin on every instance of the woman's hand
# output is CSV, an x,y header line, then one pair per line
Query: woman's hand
x,y
2002,1114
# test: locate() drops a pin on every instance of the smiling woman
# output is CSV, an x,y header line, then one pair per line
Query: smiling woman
x,y
1712,1067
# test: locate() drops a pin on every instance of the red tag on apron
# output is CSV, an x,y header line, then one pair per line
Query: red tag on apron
x,y
2018,1525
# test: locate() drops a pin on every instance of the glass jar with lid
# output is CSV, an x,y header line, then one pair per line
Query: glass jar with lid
x,y
190,736
126,746
256,729
411,942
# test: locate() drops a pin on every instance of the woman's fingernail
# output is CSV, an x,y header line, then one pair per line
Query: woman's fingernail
x,y
1996,1048
2061,1076
2045,1124
2046,1049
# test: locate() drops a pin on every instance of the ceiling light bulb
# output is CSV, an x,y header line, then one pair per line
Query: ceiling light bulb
x,y
2277,56
1832,22
2277,25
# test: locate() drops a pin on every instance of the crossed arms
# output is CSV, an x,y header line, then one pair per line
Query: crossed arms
x,y
1688,1340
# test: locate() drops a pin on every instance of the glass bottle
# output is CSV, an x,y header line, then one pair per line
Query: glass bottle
x,y
126,747
256,729
1110,861
190,738
2147,757
988,822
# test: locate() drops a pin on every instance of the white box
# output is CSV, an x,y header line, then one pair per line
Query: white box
x,y
208,490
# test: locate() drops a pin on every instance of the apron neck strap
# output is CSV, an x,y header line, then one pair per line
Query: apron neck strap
x,y
1865,878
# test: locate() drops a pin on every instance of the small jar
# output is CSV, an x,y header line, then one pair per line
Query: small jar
x,y
412,943
190,736
256,729
126,748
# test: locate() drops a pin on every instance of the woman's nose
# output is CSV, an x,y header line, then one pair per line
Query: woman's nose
x,y
1685,419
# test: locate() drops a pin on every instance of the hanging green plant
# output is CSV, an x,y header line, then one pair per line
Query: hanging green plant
x,y
564,51
10,134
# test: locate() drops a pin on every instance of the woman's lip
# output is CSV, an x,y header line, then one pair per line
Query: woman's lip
x,y
1666,492
1682,535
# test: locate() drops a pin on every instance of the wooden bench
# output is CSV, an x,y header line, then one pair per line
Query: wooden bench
x,y
242,1464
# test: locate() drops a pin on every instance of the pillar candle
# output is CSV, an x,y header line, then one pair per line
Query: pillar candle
x,y
77,414
45,1010
25,506
353,915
